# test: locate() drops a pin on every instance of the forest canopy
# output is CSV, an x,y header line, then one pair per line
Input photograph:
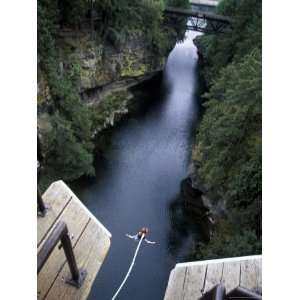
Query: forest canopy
x,y
228,143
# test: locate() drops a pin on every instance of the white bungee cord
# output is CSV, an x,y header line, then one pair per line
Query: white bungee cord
x,y
130,268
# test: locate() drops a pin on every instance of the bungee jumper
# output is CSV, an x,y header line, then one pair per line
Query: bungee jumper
x,y
140,236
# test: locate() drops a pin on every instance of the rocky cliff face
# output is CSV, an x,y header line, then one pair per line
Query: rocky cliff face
x,y
103,68
105,75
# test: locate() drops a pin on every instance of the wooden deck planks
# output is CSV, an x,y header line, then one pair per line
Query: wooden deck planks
x,y
175,289
213,275
56,199
194,282
76,221
251,275
187,279
90,240
259,275
231,275
90,252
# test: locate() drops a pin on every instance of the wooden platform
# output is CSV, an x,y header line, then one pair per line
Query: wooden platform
x,y
189,281
90,240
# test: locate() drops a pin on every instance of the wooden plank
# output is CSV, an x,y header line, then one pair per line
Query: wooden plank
x,y
185,285
176,284
64,186
231,275
213,275
76,220
257,262
56,198
169,285
90,252
194,282
250,275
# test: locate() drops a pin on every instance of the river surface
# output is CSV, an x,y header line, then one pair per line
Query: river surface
x,y
138,184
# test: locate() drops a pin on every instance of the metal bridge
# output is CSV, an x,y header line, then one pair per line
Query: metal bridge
x,y
201,21
197,20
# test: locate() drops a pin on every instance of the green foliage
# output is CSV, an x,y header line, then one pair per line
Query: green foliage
x,y
47,16
152,19
116,20
66,153
228,142
116,101
228,147
238,244
69,145
178,3
121,17
229,134
73,13
177,24
229,240
220,50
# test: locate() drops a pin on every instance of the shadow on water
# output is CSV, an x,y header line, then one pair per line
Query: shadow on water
x,y
179,238
138,178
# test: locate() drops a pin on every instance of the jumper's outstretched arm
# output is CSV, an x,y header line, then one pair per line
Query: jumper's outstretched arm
x,y
136,237
149,242
132,236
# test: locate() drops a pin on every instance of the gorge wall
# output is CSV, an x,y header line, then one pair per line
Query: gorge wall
x,y
105,73
104,69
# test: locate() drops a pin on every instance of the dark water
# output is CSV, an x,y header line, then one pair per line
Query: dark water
x,y
139,183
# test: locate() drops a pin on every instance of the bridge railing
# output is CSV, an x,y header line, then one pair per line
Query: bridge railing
x,y
201,21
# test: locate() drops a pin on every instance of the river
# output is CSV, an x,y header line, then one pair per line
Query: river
x,y
138,183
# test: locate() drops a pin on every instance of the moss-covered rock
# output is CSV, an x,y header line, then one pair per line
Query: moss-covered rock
x,y
43,90
110,108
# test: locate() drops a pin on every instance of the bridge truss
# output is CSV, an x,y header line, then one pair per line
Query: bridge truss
x,y
200,21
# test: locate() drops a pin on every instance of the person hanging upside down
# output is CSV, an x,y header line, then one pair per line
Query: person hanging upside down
x,y
139,235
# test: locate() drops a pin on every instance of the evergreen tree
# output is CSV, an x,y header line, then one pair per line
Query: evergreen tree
x,y
228,142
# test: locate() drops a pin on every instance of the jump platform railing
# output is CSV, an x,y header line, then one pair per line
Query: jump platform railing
x,y
61,233
71,245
